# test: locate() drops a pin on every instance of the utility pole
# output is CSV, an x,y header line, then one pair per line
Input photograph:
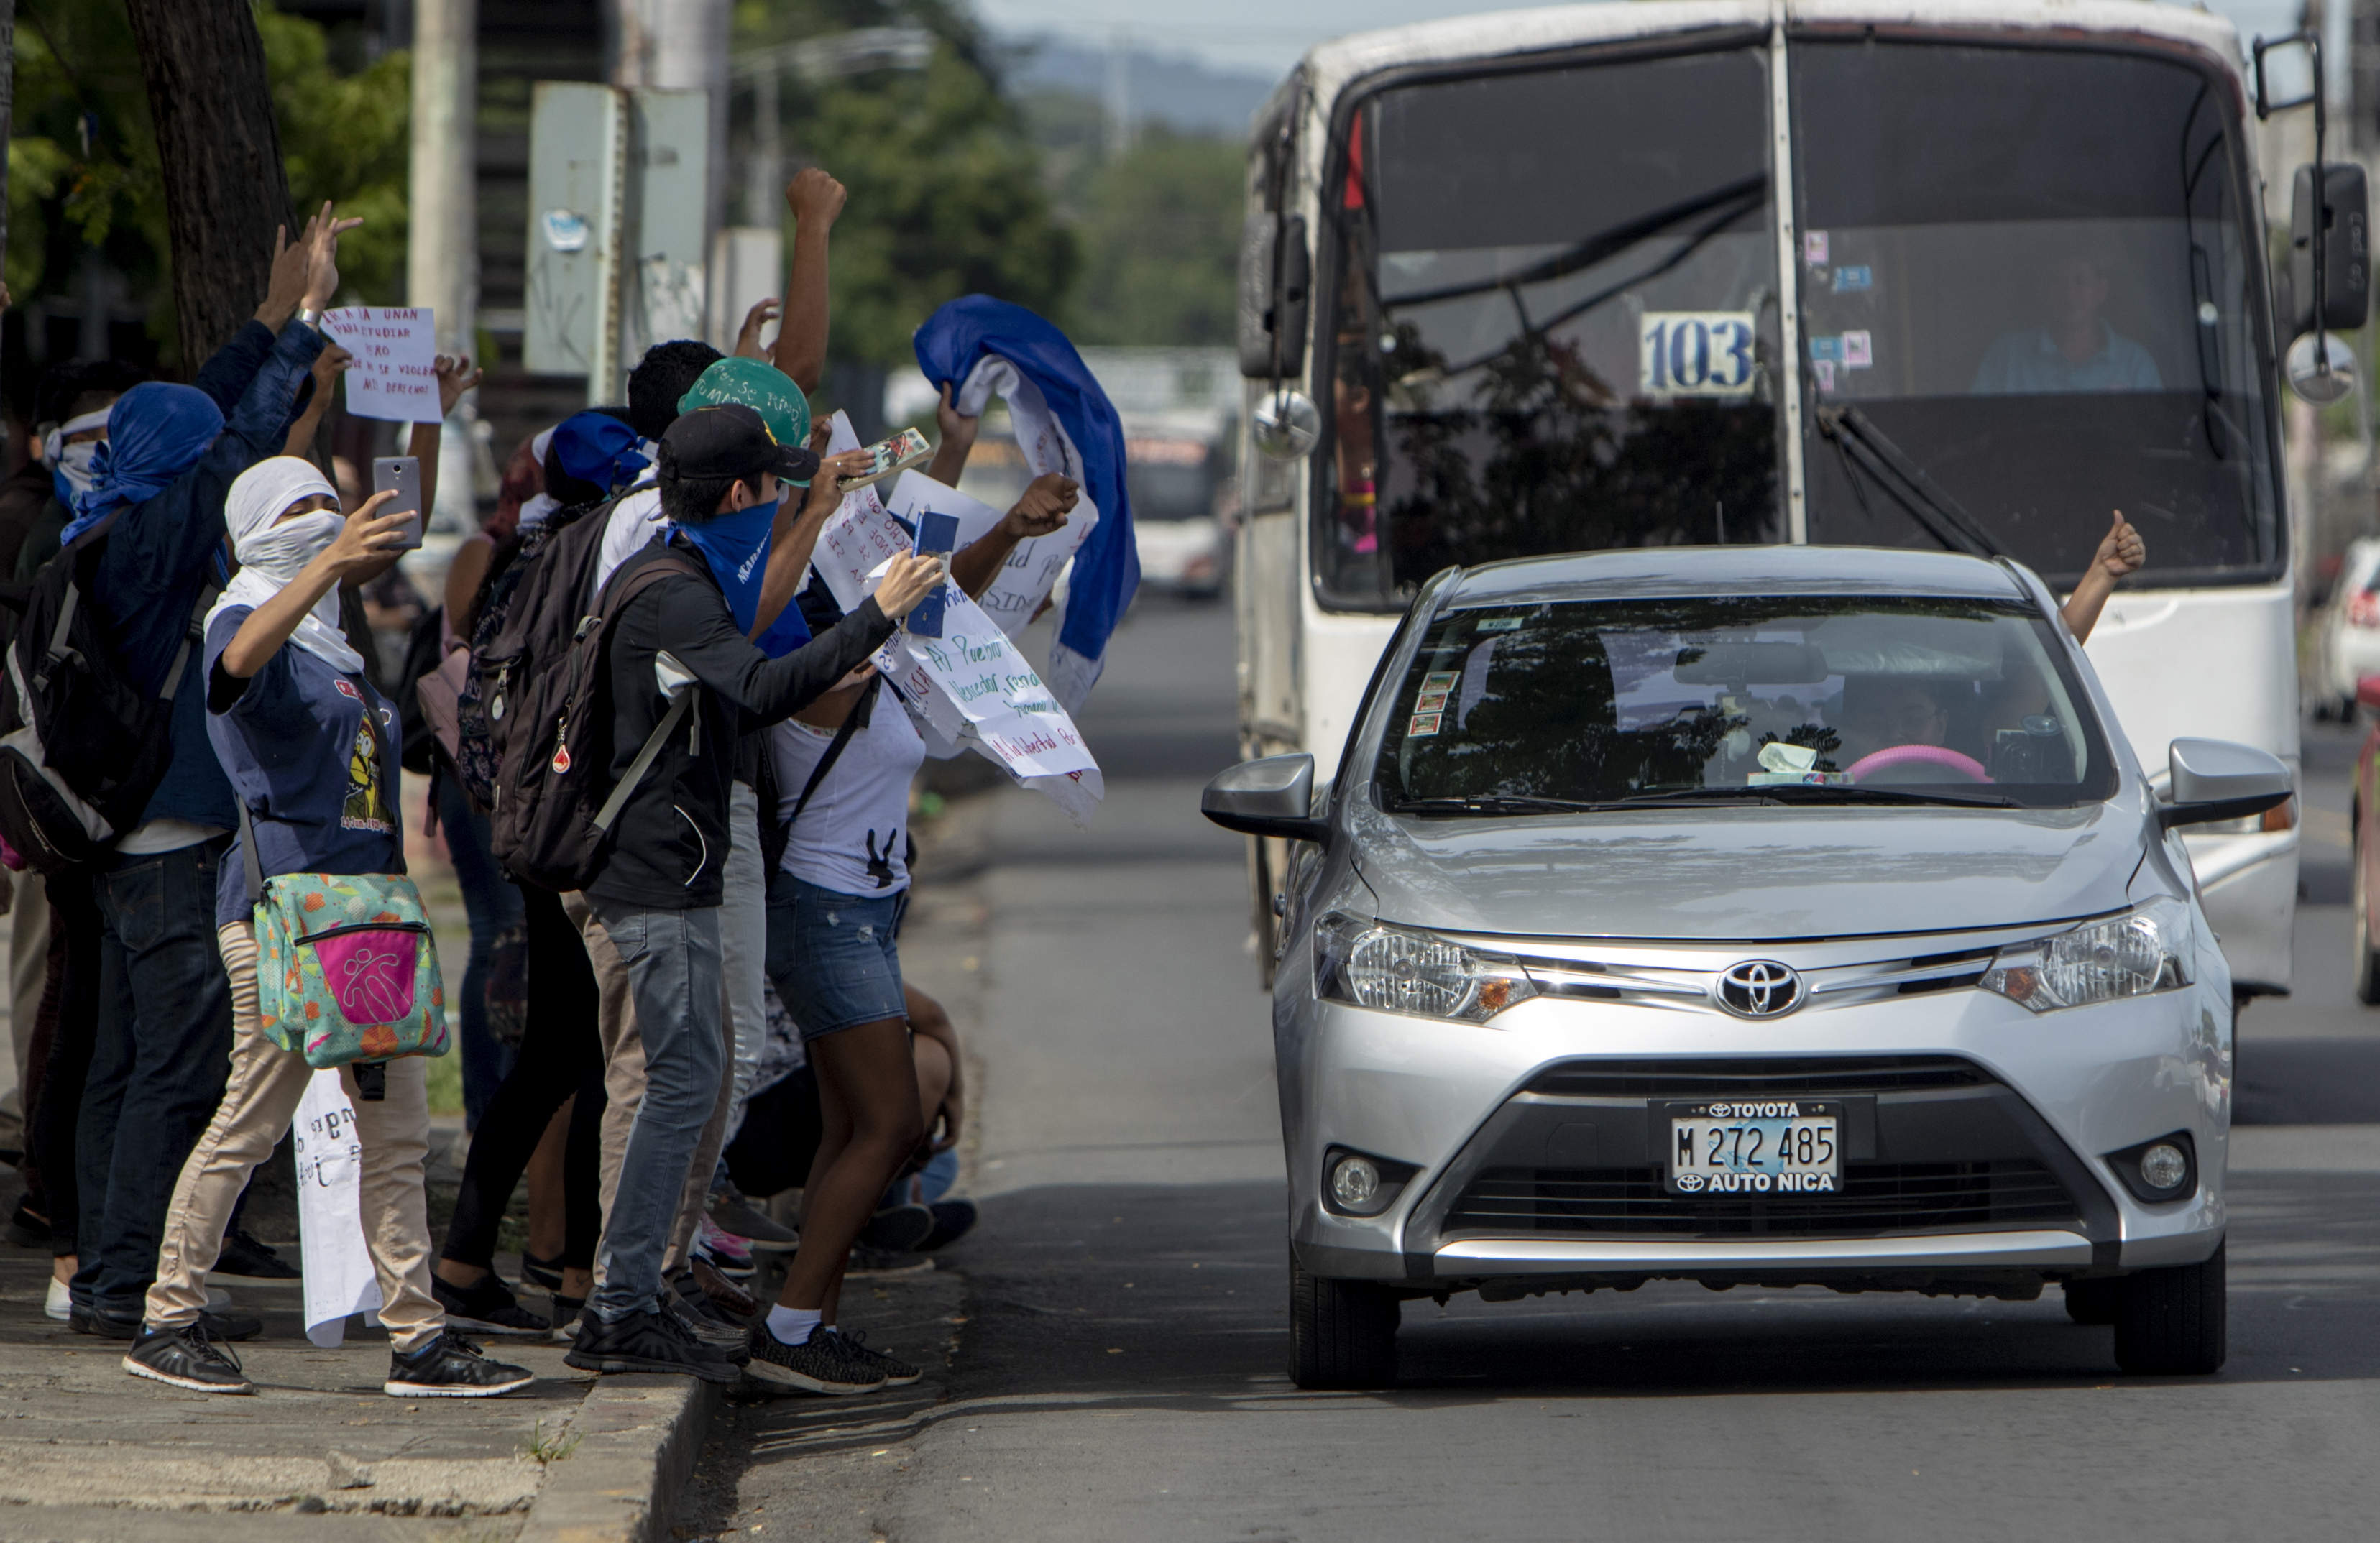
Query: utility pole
x,y
442,257
1119,93
682,44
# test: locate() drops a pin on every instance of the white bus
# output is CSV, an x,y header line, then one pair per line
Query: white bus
x,y
1964,275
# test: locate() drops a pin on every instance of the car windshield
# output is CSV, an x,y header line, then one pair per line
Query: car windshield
x,y
1785,698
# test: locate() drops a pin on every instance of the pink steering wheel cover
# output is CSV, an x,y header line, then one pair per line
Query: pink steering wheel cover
x,y
1937,754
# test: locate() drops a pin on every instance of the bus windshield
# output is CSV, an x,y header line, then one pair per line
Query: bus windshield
x,y
1556,323
2025,276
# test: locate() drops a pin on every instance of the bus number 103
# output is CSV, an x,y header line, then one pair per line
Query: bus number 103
x,y
1694,353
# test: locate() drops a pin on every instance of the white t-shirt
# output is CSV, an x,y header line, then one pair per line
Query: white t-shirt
x,y
635,518
852,835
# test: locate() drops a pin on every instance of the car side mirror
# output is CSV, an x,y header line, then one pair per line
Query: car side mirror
x,y
2215,779
1270,797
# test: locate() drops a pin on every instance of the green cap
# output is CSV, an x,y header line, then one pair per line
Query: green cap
x,y
761,387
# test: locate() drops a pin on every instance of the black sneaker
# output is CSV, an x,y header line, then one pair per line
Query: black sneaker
x,y
885,1262
897,1373
113,1326
487,1307
244,1257
730,1212
186,1357
952,1221
27,1228
708,1325
821,1363
451,1367
898,1229
647,1342
544,1274
567,1313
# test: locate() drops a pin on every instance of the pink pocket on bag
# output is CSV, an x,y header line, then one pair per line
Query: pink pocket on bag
x,y
370,971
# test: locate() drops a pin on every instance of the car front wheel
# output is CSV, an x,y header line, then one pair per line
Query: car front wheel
x,y
2360,949
2174,1322
1342,1333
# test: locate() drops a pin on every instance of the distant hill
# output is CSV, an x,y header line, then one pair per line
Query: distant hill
x,y
1164,87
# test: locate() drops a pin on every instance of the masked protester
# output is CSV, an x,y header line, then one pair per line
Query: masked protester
x,y
313,750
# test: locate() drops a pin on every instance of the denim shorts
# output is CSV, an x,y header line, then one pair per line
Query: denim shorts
x,y
832,957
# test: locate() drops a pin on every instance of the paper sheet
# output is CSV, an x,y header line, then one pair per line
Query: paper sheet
x,y
396,373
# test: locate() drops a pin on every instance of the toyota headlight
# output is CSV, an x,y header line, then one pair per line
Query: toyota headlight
x,y
2146,949
1399,969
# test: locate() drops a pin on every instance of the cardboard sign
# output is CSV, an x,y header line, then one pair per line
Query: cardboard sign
x,y
396,373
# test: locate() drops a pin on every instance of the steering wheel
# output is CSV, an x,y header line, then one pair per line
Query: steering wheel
x,y
1940,756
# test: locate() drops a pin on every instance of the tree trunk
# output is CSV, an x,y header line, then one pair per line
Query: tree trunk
x,y
226,191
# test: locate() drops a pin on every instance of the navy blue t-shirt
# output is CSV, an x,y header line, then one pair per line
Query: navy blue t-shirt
x,y
291,738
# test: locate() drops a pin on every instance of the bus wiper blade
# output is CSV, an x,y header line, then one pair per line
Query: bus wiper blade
x,y
1870,450
1858,793
1492,803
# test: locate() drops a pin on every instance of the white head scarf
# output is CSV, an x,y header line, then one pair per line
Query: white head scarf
x,y
272,555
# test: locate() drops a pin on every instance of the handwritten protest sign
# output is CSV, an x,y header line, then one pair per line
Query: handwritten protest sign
x,y
396,373
339,1276
970,687
1024,580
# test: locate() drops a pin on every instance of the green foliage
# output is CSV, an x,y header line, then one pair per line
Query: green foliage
x,y
345,138
1160,236
945,200
83,165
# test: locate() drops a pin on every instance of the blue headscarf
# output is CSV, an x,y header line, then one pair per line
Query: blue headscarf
x,y
736,544
596,447
155,432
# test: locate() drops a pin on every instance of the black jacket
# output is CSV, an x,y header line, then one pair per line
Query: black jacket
x,y
668,850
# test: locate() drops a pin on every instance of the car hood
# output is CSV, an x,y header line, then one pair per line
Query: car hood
x,y
1750,874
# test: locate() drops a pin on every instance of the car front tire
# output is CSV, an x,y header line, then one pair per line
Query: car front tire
x,y
2174,1322
1342,1333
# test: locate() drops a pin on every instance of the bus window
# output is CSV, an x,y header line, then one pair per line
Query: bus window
x,y
1553,321
2025,269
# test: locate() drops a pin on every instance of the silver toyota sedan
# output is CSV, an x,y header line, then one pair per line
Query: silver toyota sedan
x,y
1780,915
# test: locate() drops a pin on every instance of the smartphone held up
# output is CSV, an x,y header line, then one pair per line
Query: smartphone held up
x,y
403,474
938,536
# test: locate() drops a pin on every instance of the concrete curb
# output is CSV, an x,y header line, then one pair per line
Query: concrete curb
x,y
636,1439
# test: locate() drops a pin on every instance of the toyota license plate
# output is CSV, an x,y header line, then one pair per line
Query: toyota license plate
x,y
1756,1147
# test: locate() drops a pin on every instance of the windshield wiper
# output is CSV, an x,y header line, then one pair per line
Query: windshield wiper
x,y
1865,448
1813,792
1493,803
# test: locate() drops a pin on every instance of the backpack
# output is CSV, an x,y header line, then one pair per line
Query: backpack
x,y
554,718
81,748
557,559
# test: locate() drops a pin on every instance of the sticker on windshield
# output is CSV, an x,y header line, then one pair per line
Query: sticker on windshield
x,y
1851,276
1814,247
1856,354
1500,624
1823,370
1439,680
1431,702
1828,348
1694,353
1423,725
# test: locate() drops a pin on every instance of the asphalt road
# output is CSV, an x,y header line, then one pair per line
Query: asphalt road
x,y
1111,1339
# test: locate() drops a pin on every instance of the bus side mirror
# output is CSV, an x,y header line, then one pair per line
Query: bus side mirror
x,y
2344,250
1276,274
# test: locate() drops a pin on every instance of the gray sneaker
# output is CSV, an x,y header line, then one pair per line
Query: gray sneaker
x,y
821,1363
733,1214
696,1317
897,1373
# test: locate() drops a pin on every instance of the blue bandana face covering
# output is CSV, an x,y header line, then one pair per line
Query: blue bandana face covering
x,y
736,544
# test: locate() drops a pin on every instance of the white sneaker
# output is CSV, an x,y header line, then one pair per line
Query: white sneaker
x,y
217,1299
59,1304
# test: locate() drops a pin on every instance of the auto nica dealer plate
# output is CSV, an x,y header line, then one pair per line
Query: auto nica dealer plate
x,y
1735,1147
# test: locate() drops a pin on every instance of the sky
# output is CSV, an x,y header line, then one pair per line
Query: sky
x,y
1266,37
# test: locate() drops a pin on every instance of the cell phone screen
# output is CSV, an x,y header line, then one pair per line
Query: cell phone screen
x,y
403,474
937,536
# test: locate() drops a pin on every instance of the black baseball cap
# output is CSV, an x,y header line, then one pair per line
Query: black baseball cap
x,y
729,440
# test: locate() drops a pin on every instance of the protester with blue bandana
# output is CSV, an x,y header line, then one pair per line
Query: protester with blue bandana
x,y
153,515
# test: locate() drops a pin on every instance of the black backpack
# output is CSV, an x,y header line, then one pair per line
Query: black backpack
x,y
548,702
81,748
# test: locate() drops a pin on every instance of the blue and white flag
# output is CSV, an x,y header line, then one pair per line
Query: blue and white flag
x,y
1064,423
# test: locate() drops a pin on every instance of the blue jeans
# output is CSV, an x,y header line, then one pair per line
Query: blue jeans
x,y
491,904
833,957
158,1064
675,981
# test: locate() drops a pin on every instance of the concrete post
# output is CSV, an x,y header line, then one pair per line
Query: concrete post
x,y
442,259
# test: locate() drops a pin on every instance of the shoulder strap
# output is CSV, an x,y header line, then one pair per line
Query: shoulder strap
x,y
857,720
617,594
393,794
248,858
192,637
